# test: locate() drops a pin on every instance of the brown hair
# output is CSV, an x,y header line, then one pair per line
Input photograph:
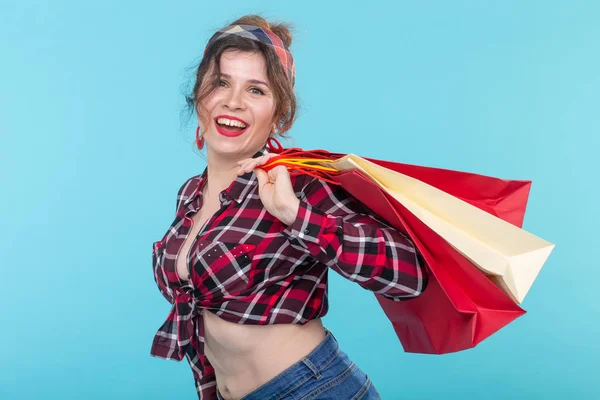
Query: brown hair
x,y
282,87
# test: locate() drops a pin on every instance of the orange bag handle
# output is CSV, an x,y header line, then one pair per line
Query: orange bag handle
x,y
302,162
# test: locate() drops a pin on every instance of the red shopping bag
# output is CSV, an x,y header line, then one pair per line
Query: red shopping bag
x,y
460,306
506,199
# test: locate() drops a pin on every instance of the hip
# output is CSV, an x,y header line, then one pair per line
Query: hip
x,y
325,373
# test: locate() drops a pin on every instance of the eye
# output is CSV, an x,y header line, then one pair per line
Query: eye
x,y
222,83
256,91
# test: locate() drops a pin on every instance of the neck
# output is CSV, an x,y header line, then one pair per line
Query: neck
x,y
219,177
221,172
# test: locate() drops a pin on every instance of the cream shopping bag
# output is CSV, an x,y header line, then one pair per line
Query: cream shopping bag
x,y
509,255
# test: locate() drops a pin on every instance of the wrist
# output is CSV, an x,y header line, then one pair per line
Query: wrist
x,y
290,213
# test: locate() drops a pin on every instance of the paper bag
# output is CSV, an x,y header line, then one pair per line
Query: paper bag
x,y
511,256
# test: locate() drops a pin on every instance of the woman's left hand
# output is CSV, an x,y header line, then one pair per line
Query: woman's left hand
x,y
274,188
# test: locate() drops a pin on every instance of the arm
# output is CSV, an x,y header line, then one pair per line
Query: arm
x,y
343,234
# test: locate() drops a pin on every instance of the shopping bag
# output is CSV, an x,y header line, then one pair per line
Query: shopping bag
x,y
498,197
461,306
511,256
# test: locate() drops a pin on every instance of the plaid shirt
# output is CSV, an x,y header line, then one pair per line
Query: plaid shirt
x,y
248,267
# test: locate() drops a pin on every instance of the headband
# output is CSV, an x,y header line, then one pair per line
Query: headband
x,y
260,35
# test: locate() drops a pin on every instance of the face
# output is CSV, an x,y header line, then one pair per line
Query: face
x,y
237,117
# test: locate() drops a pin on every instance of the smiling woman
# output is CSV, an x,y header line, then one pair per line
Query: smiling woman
x,y
237,116
245,261
252,35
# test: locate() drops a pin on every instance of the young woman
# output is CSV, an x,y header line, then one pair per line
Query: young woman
x,y
245,261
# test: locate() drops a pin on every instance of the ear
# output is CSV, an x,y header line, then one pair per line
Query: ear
x,y
274,124
274,129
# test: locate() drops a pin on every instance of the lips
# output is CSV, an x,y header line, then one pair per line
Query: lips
x,y
230,131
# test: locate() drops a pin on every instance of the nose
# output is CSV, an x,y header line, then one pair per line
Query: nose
x,y
234,99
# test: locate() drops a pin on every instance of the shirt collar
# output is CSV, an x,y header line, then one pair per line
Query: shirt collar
x,y
239,188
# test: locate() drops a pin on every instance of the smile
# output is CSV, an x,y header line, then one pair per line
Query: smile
x,y
230,126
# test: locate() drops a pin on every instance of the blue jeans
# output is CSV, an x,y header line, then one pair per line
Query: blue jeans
x,y
326,373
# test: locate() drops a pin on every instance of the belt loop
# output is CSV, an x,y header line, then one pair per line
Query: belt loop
x,y
312,367
328,332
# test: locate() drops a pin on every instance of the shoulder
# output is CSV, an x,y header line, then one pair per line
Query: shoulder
x,y
188,189
332,199
306,185
317,191
189,186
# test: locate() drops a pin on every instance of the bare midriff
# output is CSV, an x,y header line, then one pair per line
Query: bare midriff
x,y
247,356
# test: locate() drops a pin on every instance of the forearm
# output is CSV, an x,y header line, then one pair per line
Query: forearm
x,y
376,256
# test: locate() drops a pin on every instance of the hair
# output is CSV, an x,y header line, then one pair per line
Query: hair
x,y
282,87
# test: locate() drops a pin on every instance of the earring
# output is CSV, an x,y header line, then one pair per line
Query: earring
x,y
274,145
199,139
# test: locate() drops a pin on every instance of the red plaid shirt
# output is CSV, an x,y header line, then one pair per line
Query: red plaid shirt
x,y
248,267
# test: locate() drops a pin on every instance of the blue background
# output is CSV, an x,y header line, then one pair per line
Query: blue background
x,y
93,150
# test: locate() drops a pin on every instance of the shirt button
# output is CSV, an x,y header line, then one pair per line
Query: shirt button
x,y
307,231
223,197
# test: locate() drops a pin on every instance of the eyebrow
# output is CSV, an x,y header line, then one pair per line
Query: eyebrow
x,y
255,81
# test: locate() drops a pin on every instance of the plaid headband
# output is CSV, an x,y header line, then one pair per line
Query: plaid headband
x,y
260,35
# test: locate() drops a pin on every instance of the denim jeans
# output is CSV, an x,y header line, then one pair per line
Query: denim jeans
x,y
326,373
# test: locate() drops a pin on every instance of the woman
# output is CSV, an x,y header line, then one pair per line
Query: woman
x,y
245,261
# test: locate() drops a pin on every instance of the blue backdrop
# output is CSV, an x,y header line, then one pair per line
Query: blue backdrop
x,y
94,149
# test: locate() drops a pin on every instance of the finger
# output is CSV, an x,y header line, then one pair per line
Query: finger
x,y
279,173
241,164
247,166
260,160
261,176
241,168
256,161
264,159
282,170
243,161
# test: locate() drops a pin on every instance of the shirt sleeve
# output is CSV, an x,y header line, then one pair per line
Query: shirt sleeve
x,y
342,233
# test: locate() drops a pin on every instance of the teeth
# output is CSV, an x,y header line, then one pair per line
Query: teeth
x,y
231,122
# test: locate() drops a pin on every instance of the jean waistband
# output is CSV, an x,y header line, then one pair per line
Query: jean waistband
x,y
318,359
309,366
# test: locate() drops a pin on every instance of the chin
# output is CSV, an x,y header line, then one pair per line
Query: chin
x,y
231,150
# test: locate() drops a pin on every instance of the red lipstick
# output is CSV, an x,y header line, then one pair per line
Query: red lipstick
x,y
233,132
